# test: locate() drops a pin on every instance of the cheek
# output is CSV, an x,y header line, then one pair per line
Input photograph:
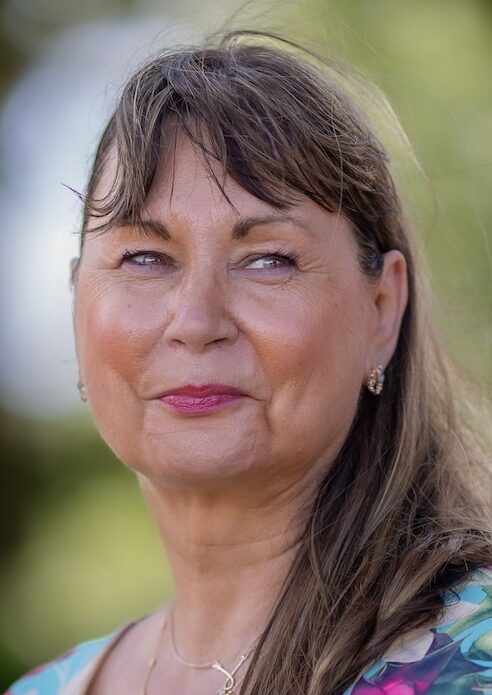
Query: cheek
x,y
315,358
116,331
300,340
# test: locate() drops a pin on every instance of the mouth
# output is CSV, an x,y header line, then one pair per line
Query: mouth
x,y
203,390
194,399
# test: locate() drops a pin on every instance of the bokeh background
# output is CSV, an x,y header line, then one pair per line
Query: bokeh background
x,y
78,551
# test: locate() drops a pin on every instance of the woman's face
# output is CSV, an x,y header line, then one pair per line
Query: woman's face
x,y
279,310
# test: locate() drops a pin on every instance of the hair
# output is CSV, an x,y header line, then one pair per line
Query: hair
x,y
398,517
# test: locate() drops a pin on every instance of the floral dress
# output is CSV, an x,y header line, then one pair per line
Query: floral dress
x,y
452,658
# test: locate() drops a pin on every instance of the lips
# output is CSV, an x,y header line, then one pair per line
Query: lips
x,y
200,399
203,390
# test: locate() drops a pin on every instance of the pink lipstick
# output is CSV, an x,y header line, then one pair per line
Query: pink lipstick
x,y
200,399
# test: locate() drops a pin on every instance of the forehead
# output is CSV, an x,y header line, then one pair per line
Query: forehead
x,y
185,190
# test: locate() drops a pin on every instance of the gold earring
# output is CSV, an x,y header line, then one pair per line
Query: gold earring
x,y
375,380
82,390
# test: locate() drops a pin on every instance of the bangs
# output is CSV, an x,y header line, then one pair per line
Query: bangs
x,y
271,122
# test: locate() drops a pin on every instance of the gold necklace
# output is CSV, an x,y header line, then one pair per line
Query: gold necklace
x,y
153,659
230,683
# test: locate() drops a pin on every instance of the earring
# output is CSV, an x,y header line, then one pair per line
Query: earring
x,y
82,390
375,380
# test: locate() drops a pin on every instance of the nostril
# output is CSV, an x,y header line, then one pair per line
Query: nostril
x,y
199,327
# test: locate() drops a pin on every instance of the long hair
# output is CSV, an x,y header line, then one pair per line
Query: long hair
x,y
398,517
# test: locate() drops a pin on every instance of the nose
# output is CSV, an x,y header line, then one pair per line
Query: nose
x,y
199,316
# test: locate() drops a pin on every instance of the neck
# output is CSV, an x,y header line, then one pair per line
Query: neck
x,y
229,559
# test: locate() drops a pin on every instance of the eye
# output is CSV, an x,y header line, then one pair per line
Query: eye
x,y
272,261
148,259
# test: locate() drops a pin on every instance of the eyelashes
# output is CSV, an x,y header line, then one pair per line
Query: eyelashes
x,y
146,259
130,256
288,258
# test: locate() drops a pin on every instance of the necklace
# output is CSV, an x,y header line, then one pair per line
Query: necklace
x,y
230,683
153,659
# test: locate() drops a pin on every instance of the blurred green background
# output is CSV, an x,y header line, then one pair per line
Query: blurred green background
x,y
78,551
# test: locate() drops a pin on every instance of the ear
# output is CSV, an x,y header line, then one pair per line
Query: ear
x,y
390,297
74,266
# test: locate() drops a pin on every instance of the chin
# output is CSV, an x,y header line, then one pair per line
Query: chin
x,y
195,465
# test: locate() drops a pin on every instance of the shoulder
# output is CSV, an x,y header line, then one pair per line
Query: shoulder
x,y
66,674
452,658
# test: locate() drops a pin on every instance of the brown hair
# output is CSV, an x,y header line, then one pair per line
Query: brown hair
x,y
398,518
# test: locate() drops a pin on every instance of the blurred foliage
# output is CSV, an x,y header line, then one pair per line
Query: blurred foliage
x,y
78,551
431,60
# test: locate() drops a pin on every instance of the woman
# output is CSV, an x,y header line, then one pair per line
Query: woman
x,y
252,335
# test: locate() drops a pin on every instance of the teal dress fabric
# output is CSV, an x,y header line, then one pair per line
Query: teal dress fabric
x,y
453,657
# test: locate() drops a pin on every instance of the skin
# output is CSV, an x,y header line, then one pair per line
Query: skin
x,y
229,489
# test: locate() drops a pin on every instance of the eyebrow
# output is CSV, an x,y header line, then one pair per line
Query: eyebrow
x,y
240,229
